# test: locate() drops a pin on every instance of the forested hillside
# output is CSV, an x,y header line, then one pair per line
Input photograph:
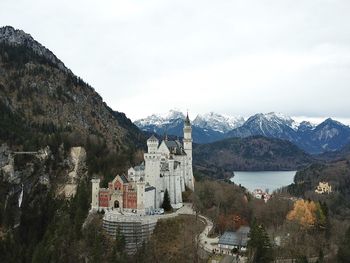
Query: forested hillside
x,y
45,107
336,174
250,154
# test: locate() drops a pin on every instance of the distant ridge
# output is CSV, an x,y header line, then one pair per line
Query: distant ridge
x,y
255,153
329,135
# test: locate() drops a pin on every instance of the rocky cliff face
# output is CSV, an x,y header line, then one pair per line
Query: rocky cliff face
x,y
13,37
23,174
77,169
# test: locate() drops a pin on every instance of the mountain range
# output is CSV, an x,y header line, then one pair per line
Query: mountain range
x,y
329,135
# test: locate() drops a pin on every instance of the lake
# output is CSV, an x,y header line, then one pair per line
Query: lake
x,y
263,180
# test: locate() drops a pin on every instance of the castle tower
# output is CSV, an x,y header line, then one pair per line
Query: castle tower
x,y
187,143
140,186
95,192
152,163
152,144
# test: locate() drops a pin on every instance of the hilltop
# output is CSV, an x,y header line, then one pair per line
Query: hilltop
x,y
250,154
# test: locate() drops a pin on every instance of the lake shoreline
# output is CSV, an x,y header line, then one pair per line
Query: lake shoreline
x,y
264,180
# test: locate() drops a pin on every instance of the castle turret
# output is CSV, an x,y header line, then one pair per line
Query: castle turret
x,y
95,192
188,136
152,144
152,163
140,185
187,143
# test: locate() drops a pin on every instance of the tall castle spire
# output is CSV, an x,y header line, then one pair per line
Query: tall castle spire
x,y
187,121
187,143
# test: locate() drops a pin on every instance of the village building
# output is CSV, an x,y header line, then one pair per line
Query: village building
x,y
260,194
231,241
167,166
323,188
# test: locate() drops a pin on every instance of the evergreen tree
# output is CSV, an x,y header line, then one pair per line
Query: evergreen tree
x,y
302,259
166,201
259,246
327,225
320,257
344,249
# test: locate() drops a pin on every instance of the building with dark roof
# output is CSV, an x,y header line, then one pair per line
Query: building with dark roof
x,y
234,240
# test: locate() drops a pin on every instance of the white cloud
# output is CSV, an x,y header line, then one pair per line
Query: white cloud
x,y
235,57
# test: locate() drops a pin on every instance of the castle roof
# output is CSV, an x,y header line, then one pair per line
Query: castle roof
x,y
238,238
187,121
153,138
140,167
175,147
124,179
150,188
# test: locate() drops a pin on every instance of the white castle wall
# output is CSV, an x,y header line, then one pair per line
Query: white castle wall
x,y
140,196
150,197
95,193
152,167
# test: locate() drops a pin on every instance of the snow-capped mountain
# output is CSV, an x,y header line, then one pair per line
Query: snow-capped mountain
x,y
272,124
160,119
306,126
205,128
330,135
218,122
170,123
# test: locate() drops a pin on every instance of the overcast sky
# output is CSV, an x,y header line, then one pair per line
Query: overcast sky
x,y
232,57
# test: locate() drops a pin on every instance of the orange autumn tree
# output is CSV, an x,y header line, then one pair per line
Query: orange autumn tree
x,y
304,212
230,222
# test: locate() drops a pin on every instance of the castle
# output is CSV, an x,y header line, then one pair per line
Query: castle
x,y
323,188
167,166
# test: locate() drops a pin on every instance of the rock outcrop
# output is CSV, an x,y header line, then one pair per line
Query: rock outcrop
x,y
77,169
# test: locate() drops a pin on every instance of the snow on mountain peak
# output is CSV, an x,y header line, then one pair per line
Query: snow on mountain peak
x,y
173,114
218,122
160,119
280,118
